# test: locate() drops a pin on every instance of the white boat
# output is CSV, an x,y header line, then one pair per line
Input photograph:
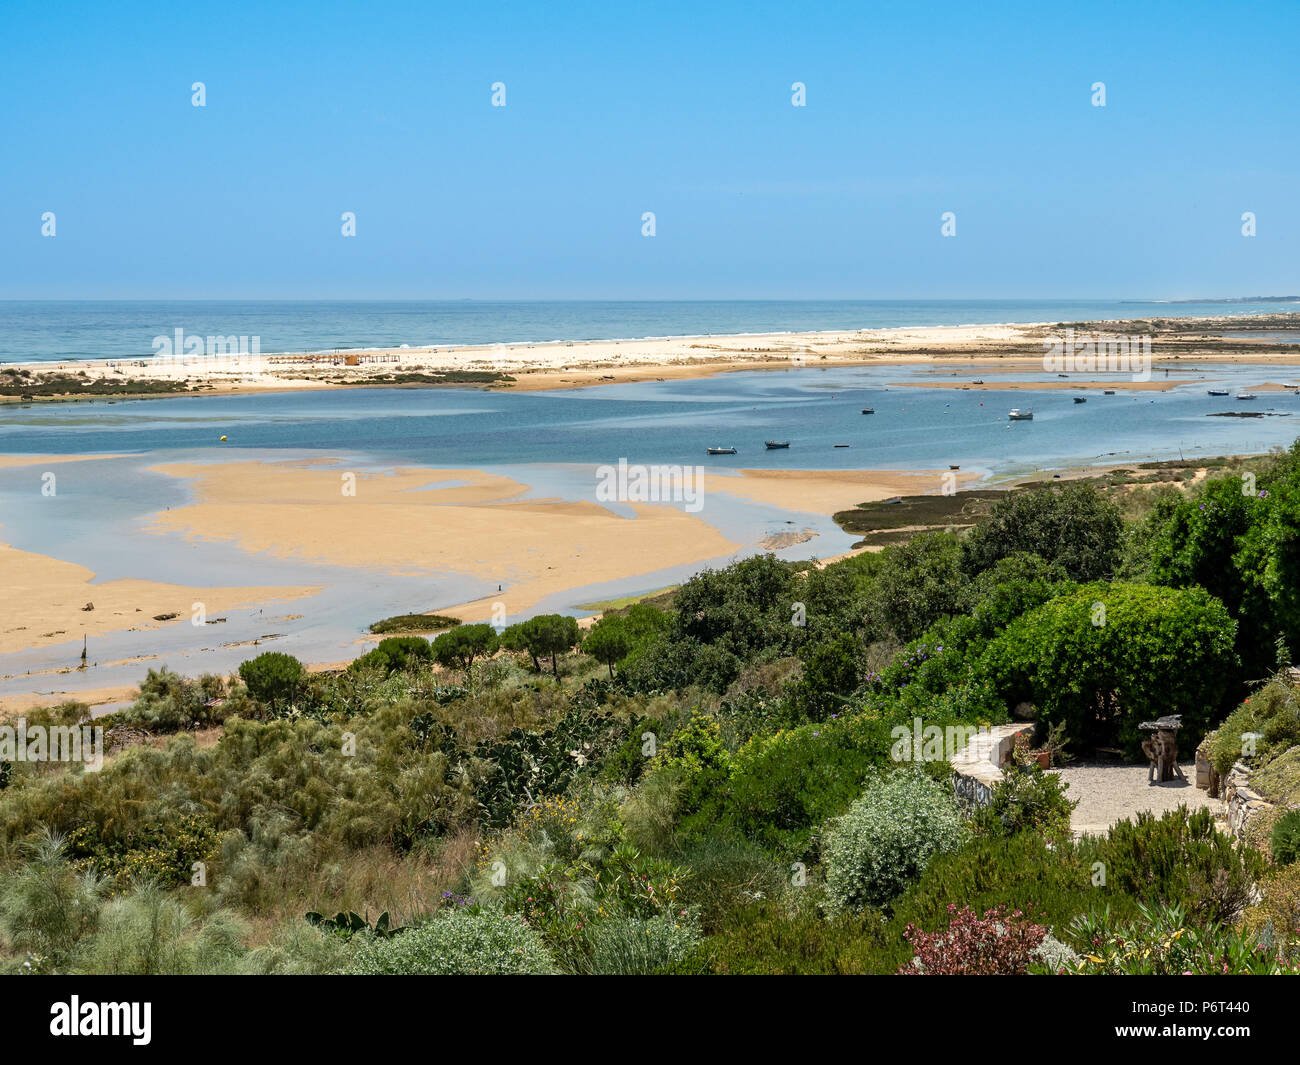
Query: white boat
x,y
1018,415
721,450
1246,395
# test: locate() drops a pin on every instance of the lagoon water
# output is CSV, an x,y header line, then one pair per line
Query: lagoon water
x,y
675,421
552,441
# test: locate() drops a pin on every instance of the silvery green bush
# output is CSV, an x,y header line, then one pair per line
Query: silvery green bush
x,y
1055,956
632,946
887,838
460,943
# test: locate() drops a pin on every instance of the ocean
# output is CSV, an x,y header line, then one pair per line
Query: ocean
x,y
63,330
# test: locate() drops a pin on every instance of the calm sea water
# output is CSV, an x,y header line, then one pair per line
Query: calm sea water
x,y
44,330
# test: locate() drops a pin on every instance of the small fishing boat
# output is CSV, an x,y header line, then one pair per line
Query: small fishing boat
x,y
1109,392
1217,391
773,445
1018,415
1080,399
1062,375
1246,395
839,445
954,467
868,410
977,381
722,451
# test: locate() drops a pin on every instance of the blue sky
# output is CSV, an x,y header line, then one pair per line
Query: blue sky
x,y
612,110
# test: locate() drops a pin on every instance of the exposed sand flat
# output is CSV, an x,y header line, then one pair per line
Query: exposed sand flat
x,y
12,706
825,491
597,362
403,523
42,602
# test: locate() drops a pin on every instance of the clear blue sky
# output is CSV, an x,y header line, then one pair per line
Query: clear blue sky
x,y
683,109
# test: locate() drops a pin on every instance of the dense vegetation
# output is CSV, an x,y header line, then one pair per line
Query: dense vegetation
x,y
714,784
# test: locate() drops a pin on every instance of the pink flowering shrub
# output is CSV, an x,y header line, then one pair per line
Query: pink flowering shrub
x,y
996,944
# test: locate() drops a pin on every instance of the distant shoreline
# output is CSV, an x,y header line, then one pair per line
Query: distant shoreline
x,y
584,363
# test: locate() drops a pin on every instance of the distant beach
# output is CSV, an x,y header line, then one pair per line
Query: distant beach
x,y
238,367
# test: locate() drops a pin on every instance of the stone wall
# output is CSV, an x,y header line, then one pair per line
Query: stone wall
x,y
978,766
1241,802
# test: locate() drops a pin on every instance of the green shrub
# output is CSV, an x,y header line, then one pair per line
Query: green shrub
x,y
1274,920
413,623
462,645
769,939
1027,799
1178,859
729,874
832,670
1270,716
164,852
886,839
780,787
395,654
1278,780
1164,941
544,636
696,759
608,641
1105,657
298,949
148,932
1285,842
481,942
273,678
632,946
169,702
1023,872
47,906
1073,526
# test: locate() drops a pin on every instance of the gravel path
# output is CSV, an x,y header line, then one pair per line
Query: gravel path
x,y
1107,793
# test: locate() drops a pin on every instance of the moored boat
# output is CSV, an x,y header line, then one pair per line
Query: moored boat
x,y
1080,399
1217,391
1018,415
868,410
722,451
773,445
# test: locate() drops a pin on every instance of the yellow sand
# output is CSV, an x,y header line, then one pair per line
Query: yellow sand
x,y
42,600
394,522
824,491
598,362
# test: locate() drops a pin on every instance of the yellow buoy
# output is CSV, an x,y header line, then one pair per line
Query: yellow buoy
x,y
223,439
